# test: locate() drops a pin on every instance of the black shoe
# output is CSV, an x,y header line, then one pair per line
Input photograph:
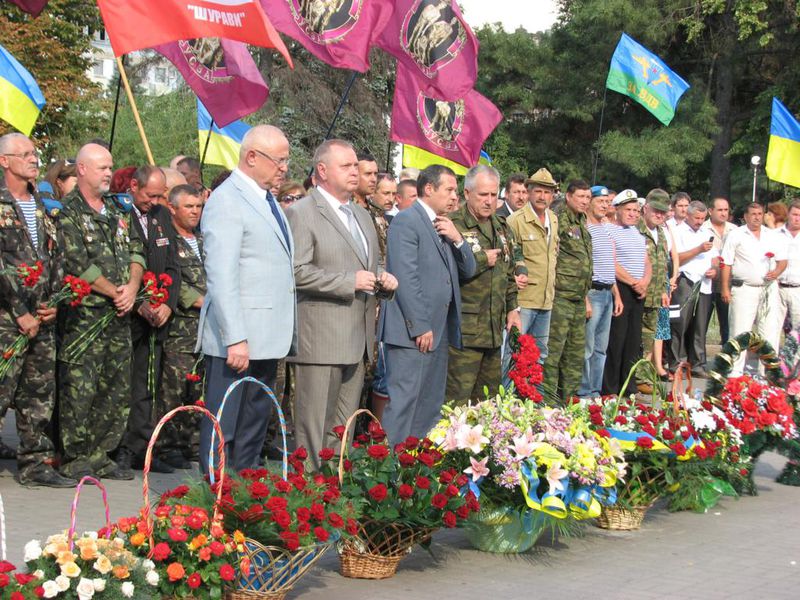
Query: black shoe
x,y
175,459
124,458
156,466
119,473
50,478
7,452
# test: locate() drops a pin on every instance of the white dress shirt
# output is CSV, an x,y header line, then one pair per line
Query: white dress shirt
x,y
718,241
791,275
747,255
694,269
335,206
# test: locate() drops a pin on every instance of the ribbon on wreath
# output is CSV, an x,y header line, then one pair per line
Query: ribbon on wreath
x,y
472,486
628,441
560,503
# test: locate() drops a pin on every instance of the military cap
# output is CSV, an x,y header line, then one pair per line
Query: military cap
x,y
658,199
599,190
624,197
542,177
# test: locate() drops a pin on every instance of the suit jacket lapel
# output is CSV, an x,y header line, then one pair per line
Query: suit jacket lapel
x,y
259,204
437,239
327,212
365,222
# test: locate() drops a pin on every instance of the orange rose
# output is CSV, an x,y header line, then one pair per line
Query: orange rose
x,y
175,571
137,539
204,553
198,542
121,572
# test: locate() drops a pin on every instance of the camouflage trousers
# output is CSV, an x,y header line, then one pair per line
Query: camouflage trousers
x,y
563,367
94,398
182,432
469,370
31,387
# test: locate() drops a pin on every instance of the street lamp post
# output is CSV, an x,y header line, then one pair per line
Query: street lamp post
x,y
755,161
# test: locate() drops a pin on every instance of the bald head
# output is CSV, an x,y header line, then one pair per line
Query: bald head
x,y
94,167
174,177
264,156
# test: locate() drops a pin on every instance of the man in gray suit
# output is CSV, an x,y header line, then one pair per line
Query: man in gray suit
x,y
248,316
336,271
428,255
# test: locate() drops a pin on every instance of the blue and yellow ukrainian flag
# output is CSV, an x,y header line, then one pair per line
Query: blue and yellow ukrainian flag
x,y
21,100
640,74
225,142
783,155
418,158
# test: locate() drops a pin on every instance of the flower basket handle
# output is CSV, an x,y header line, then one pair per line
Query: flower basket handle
x,y
346,435
683,369
2,529
281,420
74,510
147,517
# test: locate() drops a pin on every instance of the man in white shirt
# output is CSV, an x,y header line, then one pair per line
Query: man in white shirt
x,y
679,204
718,228
789,281
698,267
753,257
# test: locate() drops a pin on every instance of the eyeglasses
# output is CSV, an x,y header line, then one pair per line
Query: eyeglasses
x,y
281,162
288,198
24,155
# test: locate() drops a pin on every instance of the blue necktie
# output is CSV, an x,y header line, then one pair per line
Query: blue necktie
x,y
276,212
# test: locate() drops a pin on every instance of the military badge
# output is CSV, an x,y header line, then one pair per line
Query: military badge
x,y
325,21
432,35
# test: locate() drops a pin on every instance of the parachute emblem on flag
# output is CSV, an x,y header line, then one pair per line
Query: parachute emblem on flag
x,y
440,121
432,35
325,21
205,58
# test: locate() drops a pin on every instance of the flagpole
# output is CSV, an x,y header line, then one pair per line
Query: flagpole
x,y
205,148
599,133
341,104
136,118
116,109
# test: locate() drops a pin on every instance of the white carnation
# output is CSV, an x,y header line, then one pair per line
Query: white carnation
x,y
33,550
127,589
152,578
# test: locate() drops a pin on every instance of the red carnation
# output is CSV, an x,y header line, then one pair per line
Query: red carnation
x,y
321,534
177,535
769,255
303,514
161,551
336,520
317,512
226,573
194,581
378,492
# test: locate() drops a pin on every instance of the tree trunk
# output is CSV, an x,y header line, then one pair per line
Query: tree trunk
x,y
720,184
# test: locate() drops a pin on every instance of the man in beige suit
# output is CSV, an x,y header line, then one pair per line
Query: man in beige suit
x,y
336,274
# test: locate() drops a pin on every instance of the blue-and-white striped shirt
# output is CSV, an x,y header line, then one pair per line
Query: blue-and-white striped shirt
x,y
631,249
602,253
28,208
192,241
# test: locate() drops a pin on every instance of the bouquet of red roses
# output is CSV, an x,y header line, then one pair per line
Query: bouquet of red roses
x,y
753,406
154,291
74,290
526,372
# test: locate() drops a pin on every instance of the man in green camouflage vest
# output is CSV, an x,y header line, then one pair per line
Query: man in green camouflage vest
x,y
96,386
563,366
28,236
489,298
182,369
651,226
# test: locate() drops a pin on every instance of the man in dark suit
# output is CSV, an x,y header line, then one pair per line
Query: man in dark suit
x,y
516,195
428,256
247,322
151,223
337,275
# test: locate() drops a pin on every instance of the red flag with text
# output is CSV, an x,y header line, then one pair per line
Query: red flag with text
x,y
432,40
33,7
222,74
338,32
148,23
455,130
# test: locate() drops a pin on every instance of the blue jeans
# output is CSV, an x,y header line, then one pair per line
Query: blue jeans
x,y
535,322
597,329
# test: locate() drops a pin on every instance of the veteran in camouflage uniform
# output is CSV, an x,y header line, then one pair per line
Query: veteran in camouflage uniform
x,y
29,236
179,358
96,386
563,366
652,228
489,297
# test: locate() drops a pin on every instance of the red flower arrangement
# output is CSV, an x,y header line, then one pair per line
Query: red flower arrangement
x,y
753,406
30,274
18,586
527,373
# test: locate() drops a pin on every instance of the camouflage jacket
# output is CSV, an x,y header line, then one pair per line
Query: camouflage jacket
x,y
574,262
98,244
184,321
381,228
487,296
658,254
16,247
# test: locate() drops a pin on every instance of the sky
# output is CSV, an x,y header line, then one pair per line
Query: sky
x,y
533,15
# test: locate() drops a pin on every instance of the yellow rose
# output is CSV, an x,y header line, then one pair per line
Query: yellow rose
x,y
70,569
238,537
102,565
